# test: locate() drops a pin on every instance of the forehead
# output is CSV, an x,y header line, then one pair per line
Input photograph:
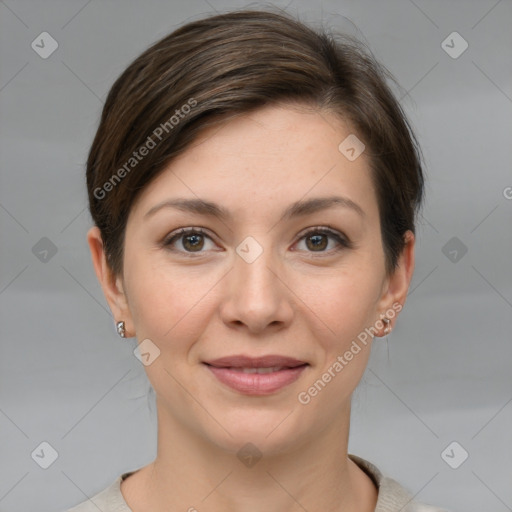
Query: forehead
x,y
275,155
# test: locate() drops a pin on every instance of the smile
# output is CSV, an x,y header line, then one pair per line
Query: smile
x,y
256,381
257,370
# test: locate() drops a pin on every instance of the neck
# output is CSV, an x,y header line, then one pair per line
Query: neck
x,y
190,473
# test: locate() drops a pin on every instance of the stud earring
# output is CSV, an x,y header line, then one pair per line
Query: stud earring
x,y
388,327
121,329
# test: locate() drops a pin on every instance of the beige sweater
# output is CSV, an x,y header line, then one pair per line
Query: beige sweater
x,y
392,496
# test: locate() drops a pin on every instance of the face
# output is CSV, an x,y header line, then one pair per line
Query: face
x,y
279,273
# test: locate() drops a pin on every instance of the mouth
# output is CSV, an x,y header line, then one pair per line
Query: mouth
x,y
263,370
256,376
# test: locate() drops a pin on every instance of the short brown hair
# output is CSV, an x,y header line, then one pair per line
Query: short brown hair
x,y
229,64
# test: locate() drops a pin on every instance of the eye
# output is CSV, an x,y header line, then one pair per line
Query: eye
x,y
192,240
317,240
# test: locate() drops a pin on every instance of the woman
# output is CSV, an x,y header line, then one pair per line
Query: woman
x,y
254,186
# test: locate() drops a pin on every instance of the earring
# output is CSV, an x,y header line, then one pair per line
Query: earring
x,y
388,327
121,329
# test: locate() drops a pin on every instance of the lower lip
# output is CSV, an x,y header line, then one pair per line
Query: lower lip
x,y
257,383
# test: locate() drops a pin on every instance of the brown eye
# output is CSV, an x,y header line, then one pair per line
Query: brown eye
x,y
317,240
192,240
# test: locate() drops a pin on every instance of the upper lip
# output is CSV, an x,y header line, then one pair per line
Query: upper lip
x,y
268,361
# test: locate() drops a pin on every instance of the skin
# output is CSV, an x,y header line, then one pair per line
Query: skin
x,y
294,300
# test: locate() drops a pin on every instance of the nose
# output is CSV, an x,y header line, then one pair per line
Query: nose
x,y
257,296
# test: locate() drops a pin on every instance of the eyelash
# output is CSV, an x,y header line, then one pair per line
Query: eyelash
x,y
343,243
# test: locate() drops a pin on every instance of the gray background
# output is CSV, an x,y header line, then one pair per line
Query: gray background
x,y
443,375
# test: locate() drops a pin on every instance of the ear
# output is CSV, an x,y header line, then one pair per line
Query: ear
x,y
113,286
397,284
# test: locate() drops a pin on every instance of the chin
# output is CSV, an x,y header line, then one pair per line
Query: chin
x,y
270,432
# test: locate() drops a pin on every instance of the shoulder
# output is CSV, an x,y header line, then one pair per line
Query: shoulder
x,y
109,499
392,496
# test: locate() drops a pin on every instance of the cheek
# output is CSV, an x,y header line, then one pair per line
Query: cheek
x,y
343,305
168,304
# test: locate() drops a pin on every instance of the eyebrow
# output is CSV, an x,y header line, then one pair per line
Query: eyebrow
x,y
297,209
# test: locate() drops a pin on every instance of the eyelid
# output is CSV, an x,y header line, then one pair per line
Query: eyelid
x,y
178,233
322,228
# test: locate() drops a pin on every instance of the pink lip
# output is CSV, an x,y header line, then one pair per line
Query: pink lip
x,y
228,370
241,361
